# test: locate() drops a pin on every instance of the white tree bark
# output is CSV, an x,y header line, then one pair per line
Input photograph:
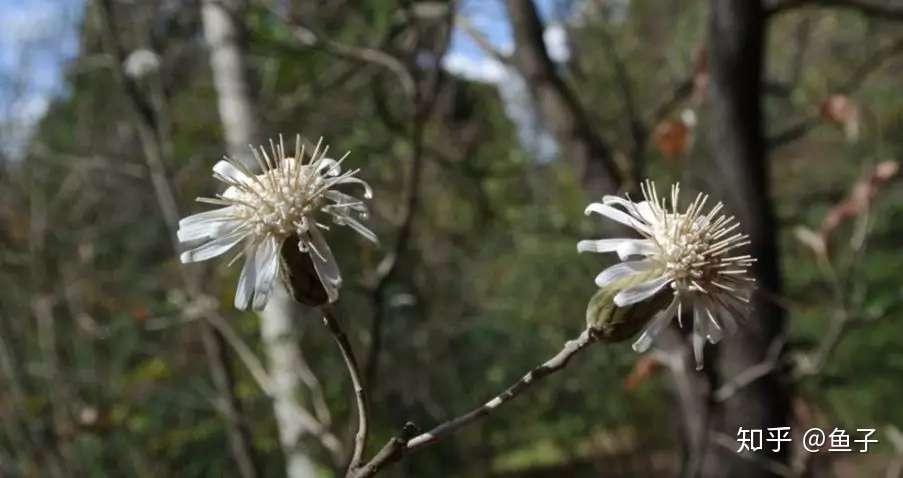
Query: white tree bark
x,y
284,358
224,36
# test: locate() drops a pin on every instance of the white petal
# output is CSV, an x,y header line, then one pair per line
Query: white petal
x,y
232,192
618,200
644,209
216,222
325,264
368,192
641,292
636,247
247,280
229,171
601,245
266,265
617,215
360,228
655,326
348,201
622,270
212,248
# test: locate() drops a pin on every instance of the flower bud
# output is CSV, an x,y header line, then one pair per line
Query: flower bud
x,y
300,276
616,324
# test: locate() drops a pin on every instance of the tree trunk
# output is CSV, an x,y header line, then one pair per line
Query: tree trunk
x,y
737,35
225,38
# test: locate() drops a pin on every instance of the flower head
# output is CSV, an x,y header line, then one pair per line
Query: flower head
x,y
690,254
288,199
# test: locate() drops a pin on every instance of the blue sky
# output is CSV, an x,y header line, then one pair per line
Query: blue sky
x,y
39,37
466,59
490,18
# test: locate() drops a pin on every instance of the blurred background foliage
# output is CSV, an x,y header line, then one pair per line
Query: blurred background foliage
x,y
103,368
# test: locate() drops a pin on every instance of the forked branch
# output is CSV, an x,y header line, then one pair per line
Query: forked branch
x,y
397,447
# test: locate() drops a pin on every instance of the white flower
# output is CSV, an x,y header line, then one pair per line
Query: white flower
x,y
689,251
288,199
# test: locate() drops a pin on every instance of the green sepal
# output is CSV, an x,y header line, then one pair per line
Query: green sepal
x,y
616,324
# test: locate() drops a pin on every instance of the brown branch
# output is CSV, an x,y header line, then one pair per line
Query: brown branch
x,y
883,11
769,364
308,36
639,130
397,447
558,104
481,41
360,394
850,85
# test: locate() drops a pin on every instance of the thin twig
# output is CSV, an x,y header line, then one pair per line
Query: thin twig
x,y
396,447
360,394
482,42
638,128
244,352
559,104
856,79
310,380
749,375
309,37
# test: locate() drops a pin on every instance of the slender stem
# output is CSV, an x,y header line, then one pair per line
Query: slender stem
x,y
360,395
396,447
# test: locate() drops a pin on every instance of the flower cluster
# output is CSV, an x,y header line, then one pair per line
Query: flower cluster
x,y
689,254
288,199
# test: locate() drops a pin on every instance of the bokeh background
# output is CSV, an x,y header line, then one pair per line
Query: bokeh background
x,y
485,127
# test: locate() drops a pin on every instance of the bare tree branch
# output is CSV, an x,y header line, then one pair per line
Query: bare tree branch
x,y
558,104
768,365
639,130
308,36
397,447
481,41
855,81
